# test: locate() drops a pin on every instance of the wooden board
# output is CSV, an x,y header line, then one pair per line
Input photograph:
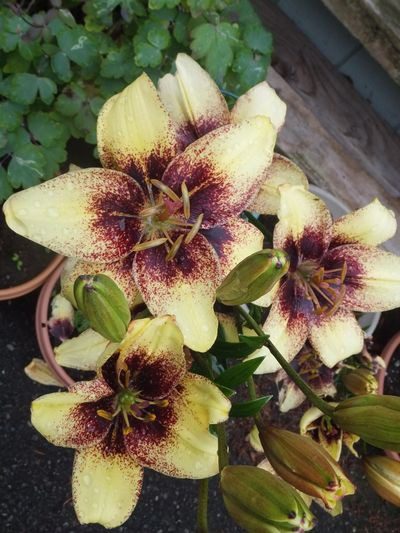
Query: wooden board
x,y
331,131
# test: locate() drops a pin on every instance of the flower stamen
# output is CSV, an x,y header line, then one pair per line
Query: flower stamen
x,y
166,190
194,230
185,200
174,248
149,244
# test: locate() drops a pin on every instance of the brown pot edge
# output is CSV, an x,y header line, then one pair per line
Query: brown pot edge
x,y
17,291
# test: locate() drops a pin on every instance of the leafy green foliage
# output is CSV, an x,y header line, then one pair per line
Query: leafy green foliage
x,y
238,374
59,66
236,350
249,408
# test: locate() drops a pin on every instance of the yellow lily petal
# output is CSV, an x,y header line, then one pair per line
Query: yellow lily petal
x,y
281,171
135,133
372,224
105,486
183,287
228,326
207,400
39,371
287,327
260,100
234,241
180,444
82,352
63,418
80,214
154,347
119,271
224,170
304,220
336,337
193,100
373,277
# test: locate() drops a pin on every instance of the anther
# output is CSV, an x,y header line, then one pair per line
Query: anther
x,y
104,414
185,200
195,229
166,190
174,248
149,244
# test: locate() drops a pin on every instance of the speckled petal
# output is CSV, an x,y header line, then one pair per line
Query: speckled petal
x,y
120,271
281,171
82,352
178,443
373,277
193,100
287,326
135,133
233,242
88,214
260,100
305,223
153,353
69,419
183,287
336,337
372,224
106,485
224,169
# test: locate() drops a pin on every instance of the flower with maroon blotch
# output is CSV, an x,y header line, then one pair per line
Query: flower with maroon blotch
x,y
335,268
142,410
179,170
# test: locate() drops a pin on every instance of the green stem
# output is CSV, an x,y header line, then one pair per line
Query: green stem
x,y
223,459
253,396
290,371
202,521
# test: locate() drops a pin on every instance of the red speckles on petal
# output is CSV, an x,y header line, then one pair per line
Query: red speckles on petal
x,y
89,427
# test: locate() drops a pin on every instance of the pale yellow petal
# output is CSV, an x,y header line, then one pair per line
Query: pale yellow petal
x,y
372,224
260,100
135,133
105,486
208,401
193,99
39,371
79,214
281,171
82,352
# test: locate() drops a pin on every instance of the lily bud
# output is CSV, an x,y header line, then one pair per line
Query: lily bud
x,y
360,381
253,277
259,501
373,417
383,475
103,304
306,465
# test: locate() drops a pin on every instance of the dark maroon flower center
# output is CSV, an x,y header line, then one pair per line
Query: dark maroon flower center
x,y
166,219
324,288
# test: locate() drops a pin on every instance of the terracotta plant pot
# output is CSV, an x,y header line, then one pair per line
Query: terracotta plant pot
x,y
387,355
42,331
25,288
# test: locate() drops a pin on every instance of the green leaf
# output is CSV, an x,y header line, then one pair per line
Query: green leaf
x,y
238,374
61,66
27,166
181,31
10,115
203,38
5,186
47,90
258,38
226,390
237,350
96,104
20,88
147,55
159,37
45,128
159,4
15,63
67,17
85,121
79,45
115,64
250,408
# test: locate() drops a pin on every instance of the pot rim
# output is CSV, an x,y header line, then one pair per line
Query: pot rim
x,y
28,286
42,331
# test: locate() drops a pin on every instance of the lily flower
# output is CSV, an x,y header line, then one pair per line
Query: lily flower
x,y
170,217
335,268
143,410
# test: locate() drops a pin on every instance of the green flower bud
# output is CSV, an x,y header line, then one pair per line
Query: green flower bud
x,y
360,381
259,501
253,277
373,417
306,465
383,475
103,304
